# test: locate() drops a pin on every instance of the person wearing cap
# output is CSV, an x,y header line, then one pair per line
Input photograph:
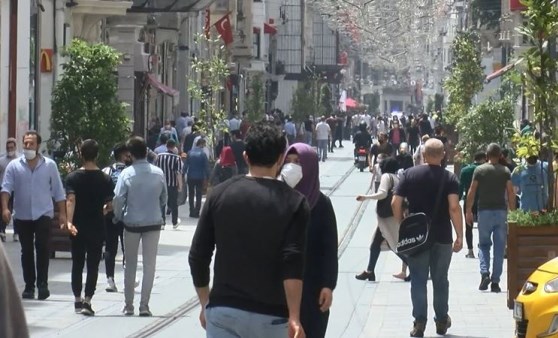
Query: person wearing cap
x,y
171,164
11,154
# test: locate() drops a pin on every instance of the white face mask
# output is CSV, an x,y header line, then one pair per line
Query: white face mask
x,y
11,153
29,154
291,174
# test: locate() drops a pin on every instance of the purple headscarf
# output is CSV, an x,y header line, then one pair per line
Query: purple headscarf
x,y
309,186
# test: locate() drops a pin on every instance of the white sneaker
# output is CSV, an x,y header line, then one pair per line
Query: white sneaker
x,y
16,238
111,286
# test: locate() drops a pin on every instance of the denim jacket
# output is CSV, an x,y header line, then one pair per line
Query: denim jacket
x,y
197,164
140,195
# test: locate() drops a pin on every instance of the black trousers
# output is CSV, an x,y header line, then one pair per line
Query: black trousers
x,y
86,248
34,236
3,225
172,203
195,187
469,228
312,319
114,232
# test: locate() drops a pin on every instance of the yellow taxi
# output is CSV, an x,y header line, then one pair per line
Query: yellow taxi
x,y
536,307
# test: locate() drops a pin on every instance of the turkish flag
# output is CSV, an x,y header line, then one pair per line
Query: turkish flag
x,y
224,29
206,24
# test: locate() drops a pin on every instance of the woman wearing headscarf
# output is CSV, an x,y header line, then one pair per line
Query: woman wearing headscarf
x,y
388,227
301,171
225,168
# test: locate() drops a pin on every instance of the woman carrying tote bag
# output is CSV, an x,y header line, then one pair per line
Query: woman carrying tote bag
x,y
388,227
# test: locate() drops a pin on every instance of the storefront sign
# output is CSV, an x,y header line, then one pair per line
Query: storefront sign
x,y
46,60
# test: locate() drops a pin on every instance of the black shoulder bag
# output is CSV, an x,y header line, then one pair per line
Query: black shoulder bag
x,y
414,231
383,206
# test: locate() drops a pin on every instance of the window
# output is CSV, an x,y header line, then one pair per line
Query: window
x,y
256,45
289,39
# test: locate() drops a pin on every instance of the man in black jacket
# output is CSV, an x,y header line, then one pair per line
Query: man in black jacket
x,y
258,269
362,139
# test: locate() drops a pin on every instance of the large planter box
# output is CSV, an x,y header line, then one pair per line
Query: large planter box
x,y
59,239
528,248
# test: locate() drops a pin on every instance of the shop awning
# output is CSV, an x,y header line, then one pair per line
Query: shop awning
x,y
502,71
161,87
351,103
268,29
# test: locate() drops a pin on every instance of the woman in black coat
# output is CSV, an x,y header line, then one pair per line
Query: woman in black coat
x,y
321,266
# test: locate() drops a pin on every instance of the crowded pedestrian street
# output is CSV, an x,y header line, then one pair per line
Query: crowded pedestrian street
x,y
278,168
360,308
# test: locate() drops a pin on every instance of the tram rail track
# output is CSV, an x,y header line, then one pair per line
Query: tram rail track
x,y
193,303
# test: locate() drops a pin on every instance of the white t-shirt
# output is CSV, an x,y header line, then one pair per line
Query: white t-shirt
x,y
322,131
368,119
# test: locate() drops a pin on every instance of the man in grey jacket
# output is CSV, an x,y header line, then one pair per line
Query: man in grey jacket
x,y
140,196
12,318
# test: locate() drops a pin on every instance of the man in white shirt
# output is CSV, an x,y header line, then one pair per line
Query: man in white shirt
x,y
234,123
381,126
10,155
323,132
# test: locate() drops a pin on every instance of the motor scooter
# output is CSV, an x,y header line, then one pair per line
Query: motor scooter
x,y
362,157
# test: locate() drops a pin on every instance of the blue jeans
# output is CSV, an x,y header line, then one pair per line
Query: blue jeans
x,y
308,137
493,227
435,260
322,149
226,322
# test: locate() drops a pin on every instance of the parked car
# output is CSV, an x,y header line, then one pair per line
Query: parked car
x,y
536,307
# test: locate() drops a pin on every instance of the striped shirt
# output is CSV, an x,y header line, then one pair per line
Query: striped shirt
x,y
171,164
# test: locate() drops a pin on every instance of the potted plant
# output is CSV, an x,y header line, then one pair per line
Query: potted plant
x,y
85,105
533,236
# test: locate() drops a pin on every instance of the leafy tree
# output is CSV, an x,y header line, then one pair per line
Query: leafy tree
x,y
541,29
466,76
207,81
492,121
326,100
255,104
373,101
430,105
510,87
305,101
85,104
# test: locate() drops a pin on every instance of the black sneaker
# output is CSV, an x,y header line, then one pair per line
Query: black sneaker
x,y
418,329
78,306
86,309
28,293
44,293
495,287
485,281
442,327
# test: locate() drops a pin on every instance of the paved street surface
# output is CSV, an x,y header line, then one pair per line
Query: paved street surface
x,y
360,309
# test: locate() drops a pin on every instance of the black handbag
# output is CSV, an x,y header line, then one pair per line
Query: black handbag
x,y
383,206
414,231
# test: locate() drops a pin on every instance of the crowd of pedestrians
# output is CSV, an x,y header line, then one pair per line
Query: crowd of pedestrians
x,y
276,266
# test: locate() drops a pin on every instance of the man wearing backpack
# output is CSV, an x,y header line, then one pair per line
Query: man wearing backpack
x,y
114,231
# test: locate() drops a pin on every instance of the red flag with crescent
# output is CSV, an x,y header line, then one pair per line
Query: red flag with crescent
x,y
224,29
206,24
